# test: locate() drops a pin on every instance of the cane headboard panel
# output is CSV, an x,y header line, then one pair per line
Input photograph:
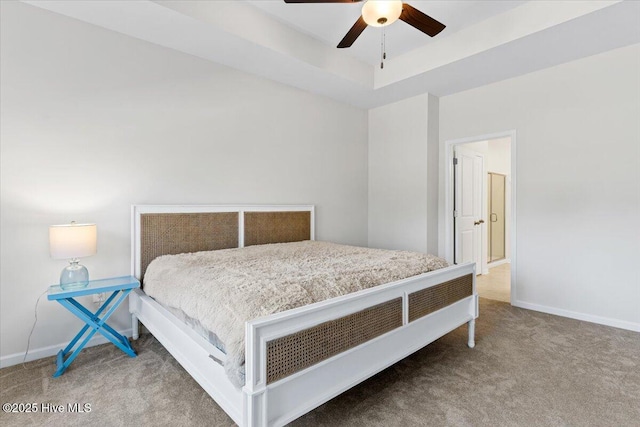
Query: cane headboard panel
x,y
175,233
162,230
261,228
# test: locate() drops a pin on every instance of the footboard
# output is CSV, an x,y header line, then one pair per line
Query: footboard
x,y
299,359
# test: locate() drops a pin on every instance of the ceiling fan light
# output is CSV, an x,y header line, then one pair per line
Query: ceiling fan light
x,y
381,12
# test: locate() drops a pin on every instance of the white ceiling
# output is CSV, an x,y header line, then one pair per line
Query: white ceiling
x,y
330,22
484,42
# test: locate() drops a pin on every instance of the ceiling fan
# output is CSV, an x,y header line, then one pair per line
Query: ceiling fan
x,y
378,13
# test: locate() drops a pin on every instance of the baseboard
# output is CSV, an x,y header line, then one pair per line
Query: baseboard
x,y
499,262
52,350
607,321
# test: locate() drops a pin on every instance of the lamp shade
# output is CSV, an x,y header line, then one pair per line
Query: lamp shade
x,y
381,12
72,240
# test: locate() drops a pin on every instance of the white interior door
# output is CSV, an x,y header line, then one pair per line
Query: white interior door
x,y
468,221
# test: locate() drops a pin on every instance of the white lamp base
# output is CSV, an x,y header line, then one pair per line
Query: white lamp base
x,y
74,276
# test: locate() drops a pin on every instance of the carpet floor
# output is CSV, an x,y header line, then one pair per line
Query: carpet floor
x,y
527,369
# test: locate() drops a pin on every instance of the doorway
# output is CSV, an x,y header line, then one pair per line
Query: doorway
x,y
493,225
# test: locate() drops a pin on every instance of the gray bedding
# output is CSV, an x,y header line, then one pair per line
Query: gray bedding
x,y
223,289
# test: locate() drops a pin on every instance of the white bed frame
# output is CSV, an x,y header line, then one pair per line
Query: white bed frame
x,y
275,404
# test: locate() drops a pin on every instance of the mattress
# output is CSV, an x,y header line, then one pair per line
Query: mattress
x,y
221,290
196,326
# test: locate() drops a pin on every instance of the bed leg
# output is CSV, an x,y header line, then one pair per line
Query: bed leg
x,y
472,333
135,334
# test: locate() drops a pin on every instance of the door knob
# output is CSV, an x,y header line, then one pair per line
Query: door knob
x,y
479,222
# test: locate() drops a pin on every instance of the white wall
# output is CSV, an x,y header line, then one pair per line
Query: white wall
x,y
481,147
94,121
398,175
499,152
578,181
433,167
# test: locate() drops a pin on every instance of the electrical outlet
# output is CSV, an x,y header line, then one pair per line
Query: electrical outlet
x,y
98,299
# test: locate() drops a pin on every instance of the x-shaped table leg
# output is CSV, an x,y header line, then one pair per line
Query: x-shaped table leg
x,y
96,324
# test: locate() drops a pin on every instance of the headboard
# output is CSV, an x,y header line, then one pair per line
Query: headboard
x,y
167,229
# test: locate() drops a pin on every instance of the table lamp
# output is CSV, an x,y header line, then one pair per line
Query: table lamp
x,y
73,241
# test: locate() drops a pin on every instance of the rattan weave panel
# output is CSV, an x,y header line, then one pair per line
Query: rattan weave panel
x,y
295,352
439,296
174,233
261,228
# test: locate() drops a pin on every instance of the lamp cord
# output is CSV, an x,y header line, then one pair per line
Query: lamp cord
x,y
32,328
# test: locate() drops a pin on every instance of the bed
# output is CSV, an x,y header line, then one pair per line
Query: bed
x,y
292,362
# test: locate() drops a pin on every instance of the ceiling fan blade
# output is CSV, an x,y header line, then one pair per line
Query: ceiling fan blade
x,y
322,1
420,21
353,33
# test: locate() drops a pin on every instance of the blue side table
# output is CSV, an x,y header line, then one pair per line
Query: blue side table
x,y
117,285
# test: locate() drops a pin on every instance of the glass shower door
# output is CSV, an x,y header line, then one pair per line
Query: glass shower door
x,y
497,185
